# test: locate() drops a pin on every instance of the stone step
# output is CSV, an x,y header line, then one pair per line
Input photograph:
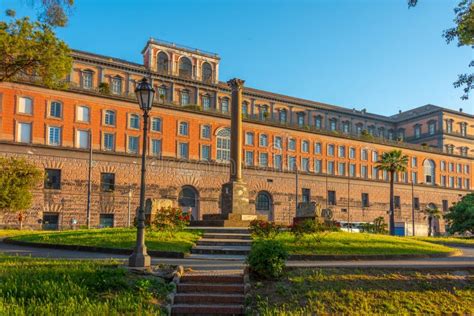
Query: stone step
x,y
223,242
221,250
221,230
208,299
238,259
192,309
226,236
228,288
211,278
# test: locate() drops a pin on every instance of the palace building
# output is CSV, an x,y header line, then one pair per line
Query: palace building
x,y
335,149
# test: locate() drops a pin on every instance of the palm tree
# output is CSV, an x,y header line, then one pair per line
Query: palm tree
x,y
392,162
431,212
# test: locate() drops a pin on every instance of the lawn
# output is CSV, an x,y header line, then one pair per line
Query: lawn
x,y
16,232
343,243
458,241
117,238
30,286
365,292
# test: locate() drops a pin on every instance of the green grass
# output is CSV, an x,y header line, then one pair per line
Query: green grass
x,y
344,243
30,286
16,232
117,238
448,240
365,292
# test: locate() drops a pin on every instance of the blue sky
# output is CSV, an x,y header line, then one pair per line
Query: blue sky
x,y
373,54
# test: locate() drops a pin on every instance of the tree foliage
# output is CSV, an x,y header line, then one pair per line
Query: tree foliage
x,y
460,217
32,49
463,32
17,178
431,213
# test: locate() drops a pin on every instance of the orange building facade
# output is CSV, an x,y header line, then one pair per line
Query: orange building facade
x,y
334,149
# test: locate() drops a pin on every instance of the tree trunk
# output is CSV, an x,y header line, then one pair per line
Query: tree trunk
x,y
430,225
392,206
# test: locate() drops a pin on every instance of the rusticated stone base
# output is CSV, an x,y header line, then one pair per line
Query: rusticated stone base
x,y
227,220
235,199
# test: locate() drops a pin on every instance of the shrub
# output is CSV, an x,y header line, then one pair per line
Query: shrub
x,y
104,88
378,227
264,229
267,258
311,226
171,219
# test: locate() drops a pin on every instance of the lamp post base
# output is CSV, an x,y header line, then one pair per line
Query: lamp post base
x,y
139,259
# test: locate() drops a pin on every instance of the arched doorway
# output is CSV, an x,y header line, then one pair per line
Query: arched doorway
x,y
264,204
188,200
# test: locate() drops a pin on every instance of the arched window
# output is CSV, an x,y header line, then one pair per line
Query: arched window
x,y
87,79
117,85
206,72
162,63
332,124
429,171
263,202
184,97
185,67
282,116
346,127
300,116
223,145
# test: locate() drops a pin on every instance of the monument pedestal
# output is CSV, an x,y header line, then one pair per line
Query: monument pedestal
x,y
235,200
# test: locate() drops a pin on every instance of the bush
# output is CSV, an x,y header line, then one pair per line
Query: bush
x,y
264,229
311,226
267,258
171,219
378,227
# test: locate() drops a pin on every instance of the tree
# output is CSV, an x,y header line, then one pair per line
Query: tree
x,y
32,49
463,32
51,12
17,178
460,217
431,212
392,162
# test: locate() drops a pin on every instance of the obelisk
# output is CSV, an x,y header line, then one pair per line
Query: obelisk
x,y
235,199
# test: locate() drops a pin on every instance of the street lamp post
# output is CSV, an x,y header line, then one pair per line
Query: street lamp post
x,y
140,257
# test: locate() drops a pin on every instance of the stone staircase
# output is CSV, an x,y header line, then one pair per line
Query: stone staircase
x,y
210,293
231,242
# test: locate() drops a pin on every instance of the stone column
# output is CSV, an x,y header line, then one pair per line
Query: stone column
x,y
236,129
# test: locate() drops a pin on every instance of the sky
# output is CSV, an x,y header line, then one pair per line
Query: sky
x,y
372,54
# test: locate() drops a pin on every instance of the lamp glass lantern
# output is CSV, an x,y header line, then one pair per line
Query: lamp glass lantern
x,y
145,94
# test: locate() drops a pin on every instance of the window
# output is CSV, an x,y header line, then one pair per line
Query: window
x,y
225,106
390,135
277,162
466,169
450,149
263,114
133,144
364,154
445,206
317,148
414,162
54,136
162,95
263,140
375,156
185,67
206,131
371,130
318,120
82,139
87,79
263,159
318,164
156,124
24,132
300,119
346,127
223,145
184,97
331,150
443,181
417,131
206,72
183,129
25,105
341,170
401,134
52,179
134,121
109,118
332,124
109,141
330,167
282,115
352,153
83,114
107,182
451,167
249,139
414,177
278,143
55,109
364,173
464,151
106,220
305,164
365,199
332,197
206,152
305,146
249,158
245,109
291,163
291,144
342,152
206,102
449,126
396,202
467,184
263,202
352,170
432,128
443,166
358,129
429,171
117,85
416,203
463,129
451,182
156,147
375,173
162,63
458,168
183,152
